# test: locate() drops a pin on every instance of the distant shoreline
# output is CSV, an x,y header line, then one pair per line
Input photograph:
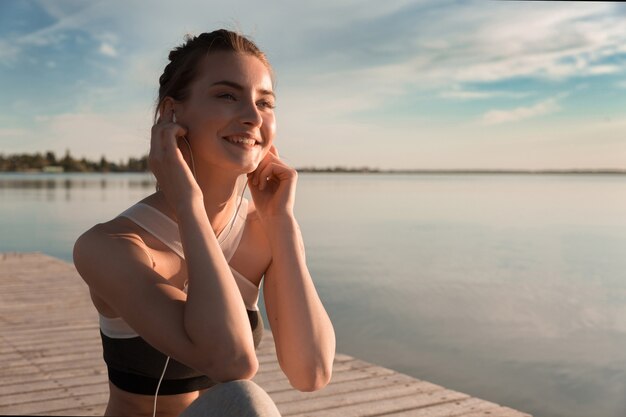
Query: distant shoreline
x,y
466,171
383,171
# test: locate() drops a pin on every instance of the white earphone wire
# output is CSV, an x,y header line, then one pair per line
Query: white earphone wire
x,y
158,386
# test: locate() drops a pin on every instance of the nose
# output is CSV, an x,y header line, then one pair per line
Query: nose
x,y
250,114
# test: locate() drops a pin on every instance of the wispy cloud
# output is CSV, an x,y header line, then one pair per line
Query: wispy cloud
x,y
459,93
541,108
478,44
68,17
8,52
107,49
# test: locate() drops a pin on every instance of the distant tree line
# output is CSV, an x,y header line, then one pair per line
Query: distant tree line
x,y
49,162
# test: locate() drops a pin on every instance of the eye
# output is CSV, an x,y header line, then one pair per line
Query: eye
x,y
226,95
267,104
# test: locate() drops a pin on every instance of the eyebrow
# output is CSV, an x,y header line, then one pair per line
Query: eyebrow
x,y
240,87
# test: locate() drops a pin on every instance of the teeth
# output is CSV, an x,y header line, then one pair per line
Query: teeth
x,y
239,139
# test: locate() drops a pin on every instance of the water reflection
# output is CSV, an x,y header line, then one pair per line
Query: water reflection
x,y
71,180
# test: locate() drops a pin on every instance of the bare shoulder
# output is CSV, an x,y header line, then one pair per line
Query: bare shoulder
x,y
120,235
118,228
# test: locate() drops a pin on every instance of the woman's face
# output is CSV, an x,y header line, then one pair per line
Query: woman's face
x,y
231,97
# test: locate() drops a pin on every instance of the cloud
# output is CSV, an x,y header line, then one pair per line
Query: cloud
x,y
329,69
493,117
430,45
68,17
8,52
107,49
458,93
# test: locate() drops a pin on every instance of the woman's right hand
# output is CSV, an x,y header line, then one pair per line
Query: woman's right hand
x,y
167,163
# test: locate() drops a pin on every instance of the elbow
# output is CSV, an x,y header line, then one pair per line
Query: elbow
x,y
233,368
314,380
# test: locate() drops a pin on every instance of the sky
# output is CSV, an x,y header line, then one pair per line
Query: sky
x,y
394,84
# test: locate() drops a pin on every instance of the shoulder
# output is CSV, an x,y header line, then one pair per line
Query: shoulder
x,y
99,238
119,227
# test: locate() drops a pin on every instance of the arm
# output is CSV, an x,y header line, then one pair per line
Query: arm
x,y
215,315
207,329
303,333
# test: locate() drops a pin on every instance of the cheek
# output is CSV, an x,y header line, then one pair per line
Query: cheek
x,y
269,126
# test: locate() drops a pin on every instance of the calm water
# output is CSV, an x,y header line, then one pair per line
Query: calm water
x,y
507,287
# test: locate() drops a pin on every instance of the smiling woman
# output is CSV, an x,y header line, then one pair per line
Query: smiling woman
x,y
178,307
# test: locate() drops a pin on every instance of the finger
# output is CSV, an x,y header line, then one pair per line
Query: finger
x,y
271,171
265,176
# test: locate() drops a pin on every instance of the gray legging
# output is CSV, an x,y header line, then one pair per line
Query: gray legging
x,y
241,398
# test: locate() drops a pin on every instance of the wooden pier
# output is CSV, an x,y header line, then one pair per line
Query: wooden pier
x,y
51,359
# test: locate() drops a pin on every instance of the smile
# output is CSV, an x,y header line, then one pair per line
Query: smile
x,y
242,142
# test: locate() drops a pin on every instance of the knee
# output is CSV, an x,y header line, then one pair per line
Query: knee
x,y
240,397
237,387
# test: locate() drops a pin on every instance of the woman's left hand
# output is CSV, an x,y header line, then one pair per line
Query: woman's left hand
x,y
273,186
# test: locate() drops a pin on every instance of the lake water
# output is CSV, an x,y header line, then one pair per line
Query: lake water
x,y
510,288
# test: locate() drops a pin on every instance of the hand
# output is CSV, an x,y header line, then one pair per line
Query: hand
x,y
276,196
168,164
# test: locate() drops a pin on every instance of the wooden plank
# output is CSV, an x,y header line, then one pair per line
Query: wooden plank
x,y
30,386
92,410
53,393
389,393
344,387
388,405
497,412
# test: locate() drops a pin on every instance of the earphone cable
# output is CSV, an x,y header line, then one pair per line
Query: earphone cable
x,y
158,386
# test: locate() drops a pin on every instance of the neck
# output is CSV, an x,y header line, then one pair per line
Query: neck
x,y
220,193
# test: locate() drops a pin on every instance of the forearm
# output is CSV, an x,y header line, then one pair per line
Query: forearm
x,y
298,318
214,314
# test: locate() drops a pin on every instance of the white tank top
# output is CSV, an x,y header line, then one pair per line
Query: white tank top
x,y
166,230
